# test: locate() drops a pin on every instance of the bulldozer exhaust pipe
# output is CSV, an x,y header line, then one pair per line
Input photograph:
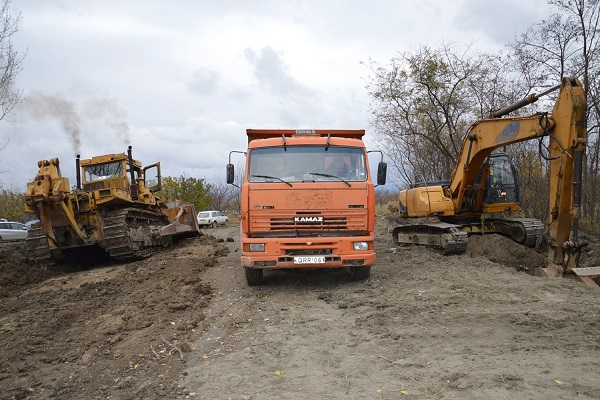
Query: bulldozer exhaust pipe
x,y
133,187
78,169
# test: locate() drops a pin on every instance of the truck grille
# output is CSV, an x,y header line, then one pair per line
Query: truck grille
x,y
289,224
273,222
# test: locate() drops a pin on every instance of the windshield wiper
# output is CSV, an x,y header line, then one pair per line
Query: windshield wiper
x,y
330,176
271,177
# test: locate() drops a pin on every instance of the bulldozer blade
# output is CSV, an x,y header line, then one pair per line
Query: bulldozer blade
x,y
182,218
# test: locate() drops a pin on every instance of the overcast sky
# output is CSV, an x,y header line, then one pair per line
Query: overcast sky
x,y
181,81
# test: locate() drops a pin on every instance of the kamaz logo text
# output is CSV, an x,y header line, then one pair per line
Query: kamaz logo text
x,y
308,219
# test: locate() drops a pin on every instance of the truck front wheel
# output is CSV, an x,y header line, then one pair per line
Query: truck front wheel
x,y
254,277
359,273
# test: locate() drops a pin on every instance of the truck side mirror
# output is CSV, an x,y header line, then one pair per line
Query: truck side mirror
x,y
381,173
230,174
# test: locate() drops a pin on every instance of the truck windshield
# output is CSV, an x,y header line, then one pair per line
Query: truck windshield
x,y
103,171
307,164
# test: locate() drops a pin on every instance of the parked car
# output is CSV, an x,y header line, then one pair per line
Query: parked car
x,y
29,224
212,218
12,231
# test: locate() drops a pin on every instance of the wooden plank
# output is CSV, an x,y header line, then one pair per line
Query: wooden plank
x,y
589,271
588,281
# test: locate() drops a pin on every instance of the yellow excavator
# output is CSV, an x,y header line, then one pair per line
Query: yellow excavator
x,y
484,182
112,211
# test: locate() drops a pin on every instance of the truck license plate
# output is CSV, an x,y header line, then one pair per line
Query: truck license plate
x,y
309,260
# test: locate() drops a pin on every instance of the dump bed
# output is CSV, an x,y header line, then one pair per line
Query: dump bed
x,y
254,134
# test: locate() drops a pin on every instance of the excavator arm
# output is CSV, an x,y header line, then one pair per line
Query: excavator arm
x,y
565,126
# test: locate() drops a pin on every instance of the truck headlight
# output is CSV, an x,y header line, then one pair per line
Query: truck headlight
x,y
361,246
257,247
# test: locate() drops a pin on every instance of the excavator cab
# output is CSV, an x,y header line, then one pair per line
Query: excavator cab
x,y
502,182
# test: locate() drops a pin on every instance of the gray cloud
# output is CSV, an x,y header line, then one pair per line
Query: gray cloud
x,y
208,74
509,17
204,81
272,72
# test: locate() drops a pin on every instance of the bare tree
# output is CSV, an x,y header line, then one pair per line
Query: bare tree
x,y
424,102
545,49
221,195
11,62
565,45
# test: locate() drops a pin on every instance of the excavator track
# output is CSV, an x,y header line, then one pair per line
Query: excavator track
x,y
132,233
534,231
526,231
448,237
38,250
453,238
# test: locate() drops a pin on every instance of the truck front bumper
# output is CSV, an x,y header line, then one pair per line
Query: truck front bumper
x,y
287,253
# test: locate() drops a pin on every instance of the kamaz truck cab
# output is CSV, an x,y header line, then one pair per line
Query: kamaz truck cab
x,y
307,202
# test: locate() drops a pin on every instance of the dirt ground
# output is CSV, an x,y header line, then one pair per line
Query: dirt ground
x,y
183,324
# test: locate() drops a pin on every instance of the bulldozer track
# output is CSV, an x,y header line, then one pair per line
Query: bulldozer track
x,y
38,250
121,226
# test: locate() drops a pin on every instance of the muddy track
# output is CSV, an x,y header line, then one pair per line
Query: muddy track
x,y
183,324
424,326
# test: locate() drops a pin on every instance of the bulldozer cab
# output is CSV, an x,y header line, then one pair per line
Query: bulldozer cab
x,y
98,172
105,172
152,178
502,183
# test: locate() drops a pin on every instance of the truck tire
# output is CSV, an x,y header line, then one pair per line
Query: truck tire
x,y
214,224
359,273
254,277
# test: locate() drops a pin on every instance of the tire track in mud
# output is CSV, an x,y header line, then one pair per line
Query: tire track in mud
x,y
423,326
292,337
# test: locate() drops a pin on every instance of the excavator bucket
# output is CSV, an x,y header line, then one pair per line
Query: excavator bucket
x,y
182,218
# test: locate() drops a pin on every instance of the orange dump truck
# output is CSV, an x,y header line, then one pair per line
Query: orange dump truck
x,y
307,202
